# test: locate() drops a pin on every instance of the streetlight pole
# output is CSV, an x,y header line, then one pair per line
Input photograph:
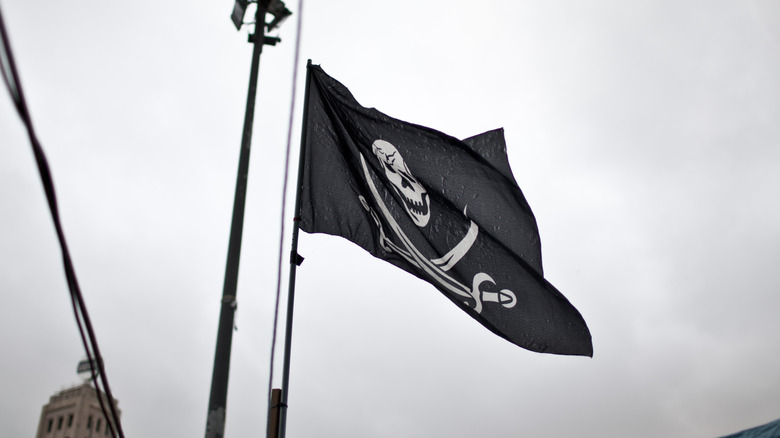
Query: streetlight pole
x,y
215,423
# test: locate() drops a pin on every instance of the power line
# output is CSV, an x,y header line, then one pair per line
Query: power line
x,y
88,339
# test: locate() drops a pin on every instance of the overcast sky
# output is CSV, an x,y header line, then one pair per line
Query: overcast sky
x,y
644,135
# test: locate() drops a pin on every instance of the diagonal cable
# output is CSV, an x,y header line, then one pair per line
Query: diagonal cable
x,y
12,82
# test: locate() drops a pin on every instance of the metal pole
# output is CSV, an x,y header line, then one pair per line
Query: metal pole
x,y
294,262
273,413
215,423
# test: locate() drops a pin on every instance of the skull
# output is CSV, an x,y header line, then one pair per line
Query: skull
x,y
413,195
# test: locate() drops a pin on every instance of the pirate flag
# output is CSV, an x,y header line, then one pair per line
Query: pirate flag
x,y
445,210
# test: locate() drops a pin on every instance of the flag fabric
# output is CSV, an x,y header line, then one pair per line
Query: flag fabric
x,y
448,211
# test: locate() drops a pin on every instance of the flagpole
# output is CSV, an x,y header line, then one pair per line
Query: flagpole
x,y
295,260
215,422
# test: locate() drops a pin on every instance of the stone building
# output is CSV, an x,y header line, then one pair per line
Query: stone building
x,y
74,413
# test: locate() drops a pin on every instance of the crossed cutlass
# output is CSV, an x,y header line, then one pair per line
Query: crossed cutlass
x,y
437,268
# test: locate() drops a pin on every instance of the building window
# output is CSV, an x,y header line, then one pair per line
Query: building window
x,y
59,423
89,422
97,426
70,420
48,428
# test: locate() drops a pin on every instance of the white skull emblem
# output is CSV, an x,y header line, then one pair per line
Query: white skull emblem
x,y
413,195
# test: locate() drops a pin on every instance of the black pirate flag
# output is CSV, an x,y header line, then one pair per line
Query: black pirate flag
x,y
445,210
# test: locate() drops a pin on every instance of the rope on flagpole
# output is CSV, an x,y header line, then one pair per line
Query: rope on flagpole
x,y
283,218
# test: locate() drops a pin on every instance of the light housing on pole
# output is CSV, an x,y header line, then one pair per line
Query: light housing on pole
x,y
274,7
278,10
239,9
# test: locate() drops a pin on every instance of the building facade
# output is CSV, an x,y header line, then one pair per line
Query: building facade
x,y
74,413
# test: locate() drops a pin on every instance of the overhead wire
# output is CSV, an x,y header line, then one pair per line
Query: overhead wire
x,y
86,331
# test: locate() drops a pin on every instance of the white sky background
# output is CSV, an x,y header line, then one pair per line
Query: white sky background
x,y
644,135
